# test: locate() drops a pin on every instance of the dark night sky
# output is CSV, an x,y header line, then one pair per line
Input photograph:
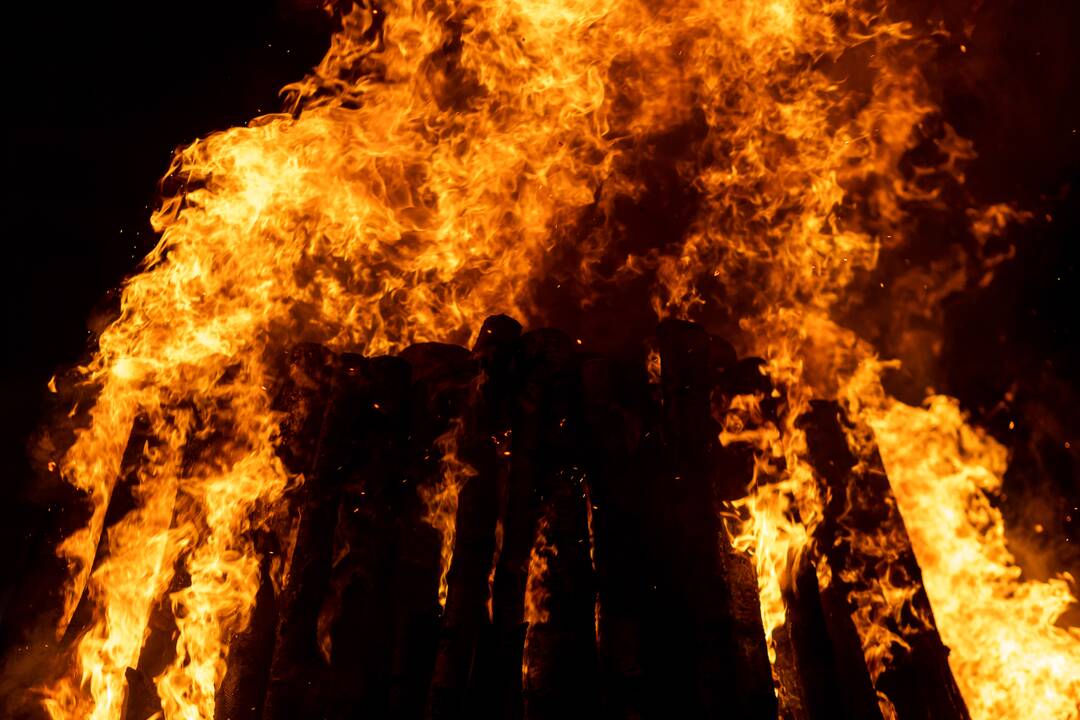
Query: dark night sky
x,y
98,96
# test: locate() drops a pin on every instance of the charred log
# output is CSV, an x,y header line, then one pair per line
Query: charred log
x,y
822,671
442,376
240,696
356,624
575,508
614,399
713,589
324,383
465,676
916,678
543,450
142,699
301,394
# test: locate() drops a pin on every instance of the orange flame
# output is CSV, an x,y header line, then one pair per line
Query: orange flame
x,y
1009,656
423,178
442,500
536,593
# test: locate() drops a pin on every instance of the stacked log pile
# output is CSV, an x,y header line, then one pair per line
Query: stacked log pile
x,y
589,574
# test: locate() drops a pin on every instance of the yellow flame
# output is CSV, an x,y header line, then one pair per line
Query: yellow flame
x,y
442,499
536,592
423,178
1010,658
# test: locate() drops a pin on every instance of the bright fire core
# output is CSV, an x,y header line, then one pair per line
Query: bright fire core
x,y
444,158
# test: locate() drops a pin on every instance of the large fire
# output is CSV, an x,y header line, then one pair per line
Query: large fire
x,y
444,162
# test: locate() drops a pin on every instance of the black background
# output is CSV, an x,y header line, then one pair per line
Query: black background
x,y
97,96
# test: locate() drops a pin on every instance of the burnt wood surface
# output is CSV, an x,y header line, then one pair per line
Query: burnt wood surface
x,y
718,663
917,678
464,675
616,480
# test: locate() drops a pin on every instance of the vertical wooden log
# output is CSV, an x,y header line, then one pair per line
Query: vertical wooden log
x,y
832,682
732,470
815,681
158,648
464,682
142,701
755,691
729,661
519,517
740,379
297,664
858,696
790,690
917,679
443,376
359,618
243,688
542,456
301,392
121,502
614,400
685,666
561,648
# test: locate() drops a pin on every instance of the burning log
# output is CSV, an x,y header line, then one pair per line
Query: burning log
x,y
543,457
560,648
729,660
443,376
360,620
560,651
871,565
325,382
466,622
121,501
240,696
519,518
820,665
614,398
685,627
812,682
302,394
733,473
142,699
590,499
754,695
141,503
